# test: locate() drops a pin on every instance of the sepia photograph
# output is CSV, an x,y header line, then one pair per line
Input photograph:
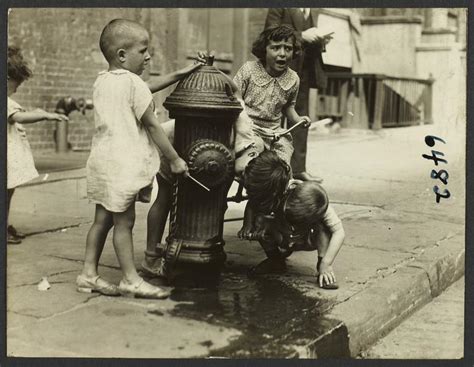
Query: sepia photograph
x,y
293,182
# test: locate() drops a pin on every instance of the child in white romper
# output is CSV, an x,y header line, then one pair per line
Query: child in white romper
x,y
20,164
123,159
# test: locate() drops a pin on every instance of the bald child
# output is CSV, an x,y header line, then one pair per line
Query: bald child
x,y
123,159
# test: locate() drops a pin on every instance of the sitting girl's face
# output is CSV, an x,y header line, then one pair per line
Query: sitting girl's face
x,y
278,56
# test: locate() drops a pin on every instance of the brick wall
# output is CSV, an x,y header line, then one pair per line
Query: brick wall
x,y
61,46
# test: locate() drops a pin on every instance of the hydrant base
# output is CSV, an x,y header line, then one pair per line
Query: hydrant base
x,y
192,275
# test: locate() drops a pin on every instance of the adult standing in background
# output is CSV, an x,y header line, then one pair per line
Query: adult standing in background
x,y
309,67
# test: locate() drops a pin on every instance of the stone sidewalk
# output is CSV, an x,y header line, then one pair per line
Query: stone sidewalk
x,y
401,250
443,316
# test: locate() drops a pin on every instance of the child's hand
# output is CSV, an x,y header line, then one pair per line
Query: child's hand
x,y
307,122
56,117
294,182
201,57
200,60
179,166
326,274
245,232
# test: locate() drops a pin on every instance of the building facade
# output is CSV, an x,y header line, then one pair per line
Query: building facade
x,y
62,48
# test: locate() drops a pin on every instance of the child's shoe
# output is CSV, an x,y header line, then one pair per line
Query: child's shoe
x,y
12,240
142,289
271,265
152,265
96,284
13,231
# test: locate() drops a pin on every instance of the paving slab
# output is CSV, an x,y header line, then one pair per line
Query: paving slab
x,y
154,335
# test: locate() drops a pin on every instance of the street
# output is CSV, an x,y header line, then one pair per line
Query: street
x,y
434,332
401,250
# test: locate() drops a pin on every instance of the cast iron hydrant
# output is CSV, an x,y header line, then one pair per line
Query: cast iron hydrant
x,y
65,106
204,108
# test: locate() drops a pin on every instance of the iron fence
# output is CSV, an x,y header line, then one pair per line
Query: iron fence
x,y
375,101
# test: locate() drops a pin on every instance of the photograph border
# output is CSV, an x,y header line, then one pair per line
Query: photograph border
x,y
469,218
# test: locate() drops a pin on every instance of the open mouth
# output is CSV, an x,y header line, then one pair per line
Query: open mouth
x,y
281,62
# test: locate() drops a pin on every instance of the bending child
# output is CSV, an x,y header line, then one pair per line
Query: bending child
x,y
123,159
20,164
304,221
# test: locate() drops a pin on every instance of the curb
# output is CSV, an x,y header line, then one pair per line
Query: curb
x,y
375,311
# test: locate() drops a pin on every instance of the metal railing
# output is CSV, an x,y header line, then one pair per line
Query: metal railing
x,y
375,101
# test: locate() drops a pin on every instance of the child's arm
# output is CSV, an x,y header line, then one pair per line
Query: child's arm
x,y
30,117
245,232
158,135
293,116
326,273
335,243
161,82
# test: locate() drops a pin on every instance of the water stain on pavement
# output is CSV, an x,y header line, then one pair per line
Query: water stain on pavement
x,y
272,316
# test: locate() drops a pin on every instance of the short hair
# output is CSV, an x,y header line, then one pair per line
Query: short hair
x,y
118,33
17,68
266,179
306,204
276,34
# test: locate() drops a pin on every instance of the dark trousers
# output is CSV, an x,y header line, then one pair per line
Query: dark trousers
x,y
300,134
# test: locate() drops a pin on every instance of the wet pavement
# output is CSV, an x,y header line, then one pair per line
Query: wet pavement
x,y
401,249
270,315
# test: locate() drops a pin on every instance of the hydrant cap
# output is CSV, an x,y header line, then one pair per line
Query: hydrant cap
x,y
204,90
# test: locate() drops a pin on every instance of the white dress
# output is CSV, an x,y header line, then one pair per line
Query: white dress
x,y
20,164
123,160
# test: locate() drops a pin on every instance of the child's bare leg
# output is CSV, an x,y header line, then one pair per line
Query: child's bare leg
x,y
89,280
132,284
156,223
13,237
158,214
123,243
96,240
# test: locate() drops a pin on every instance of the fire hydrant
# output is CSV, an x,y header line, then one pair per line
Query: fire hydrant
x,y
204,109
65,106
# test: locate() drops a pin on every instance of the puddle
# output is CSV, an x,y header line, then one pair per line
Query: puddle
x,y
271,315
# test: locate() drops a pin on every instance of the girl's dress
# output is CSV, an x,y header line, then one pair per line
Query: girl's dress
x,y
20,163
265,98
123,160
